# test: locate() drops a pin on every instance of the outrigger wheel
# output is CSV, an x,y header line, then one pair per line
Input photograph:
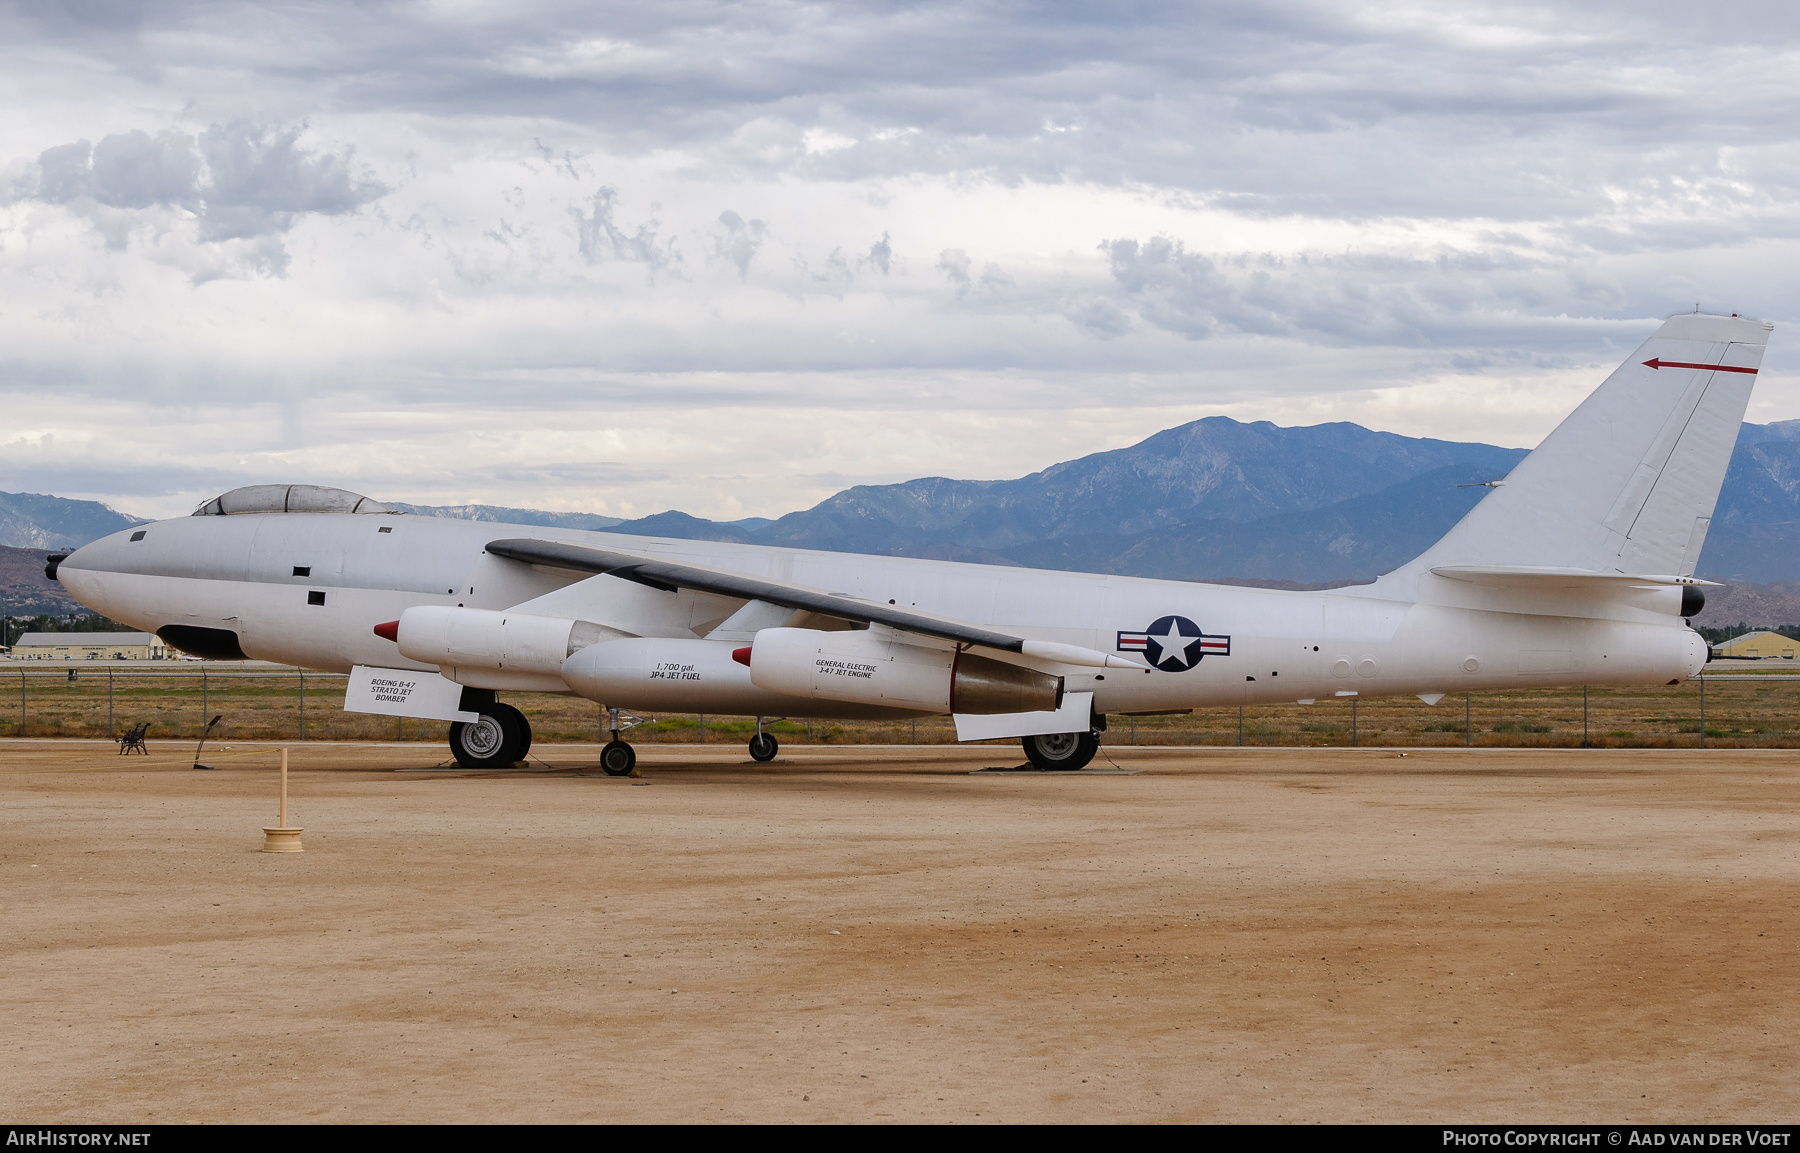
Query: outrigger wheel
x,y
617,759
763,747
499,738
1052,751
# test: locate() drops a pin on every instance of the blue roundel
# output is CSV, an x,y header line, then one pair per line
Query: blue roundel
x,y
1172,644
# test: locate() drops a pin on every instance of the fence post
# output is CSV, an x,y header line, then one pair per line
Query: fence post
x,y
1584,717
21,702
1353,701
702,717
1241,721
204,701
1703,710
110,732
915,727
1468,725
303,704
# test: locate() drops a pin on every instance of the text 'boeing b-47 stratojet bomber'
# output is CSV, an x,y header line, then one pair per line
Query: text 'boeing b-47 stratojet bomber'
x,y
1577,569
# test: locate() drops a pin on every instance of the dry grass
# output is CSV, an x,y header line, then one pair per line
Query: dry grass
x,y
1739,714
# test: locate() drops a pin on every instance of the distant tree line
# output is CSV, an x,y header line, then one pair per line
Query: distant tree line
x,y
12,628
1726,632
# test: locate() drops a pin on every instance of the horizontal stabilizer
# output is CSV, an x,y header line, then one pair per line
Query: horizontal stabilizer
x,y
1528,575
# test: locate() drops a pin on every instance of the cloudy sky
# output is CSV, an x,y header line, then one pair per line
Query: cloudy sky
x,y
733,257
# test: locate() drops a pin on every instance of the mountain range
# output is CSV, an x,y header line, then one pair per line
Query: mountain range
x,y
1211,499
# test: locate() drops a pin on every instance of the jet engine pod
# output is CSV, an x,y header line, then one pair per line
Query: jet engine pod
x,y
479,639
876,667
680,676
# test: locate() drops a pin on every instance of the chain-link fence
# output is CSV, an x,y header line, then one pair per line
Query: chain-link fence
x,y
1740,710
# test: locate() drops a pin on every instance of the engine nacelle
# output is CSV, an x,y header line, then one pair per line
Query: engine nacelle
x,y
663,673
877,668
468,639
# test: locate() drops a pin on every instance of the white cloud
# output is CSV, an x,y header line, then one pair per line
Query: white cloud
x,y
729,257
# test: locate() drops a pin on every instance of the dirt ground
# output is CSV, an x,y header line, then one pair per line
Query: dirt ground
x,y
864,934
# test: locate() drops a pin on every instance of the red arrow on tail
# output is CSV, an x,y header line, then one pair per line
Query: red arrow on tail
x,y
1658,362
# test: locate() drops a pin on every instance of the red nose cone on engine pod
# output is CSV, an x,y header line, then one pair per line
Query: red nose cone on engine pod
x,y
389,631
741,656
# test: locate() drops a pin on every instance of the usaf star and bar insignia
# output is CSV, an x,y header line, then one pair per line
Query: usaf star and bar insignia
x,y
1174,644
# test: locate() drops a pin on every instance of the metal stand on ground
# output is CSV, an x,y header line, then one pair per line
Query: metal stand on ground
x,y
198,749
204,705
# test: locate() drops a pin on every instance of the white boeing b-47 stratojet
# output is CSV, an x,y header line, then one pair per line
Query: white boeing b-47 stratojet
x,y
1577,569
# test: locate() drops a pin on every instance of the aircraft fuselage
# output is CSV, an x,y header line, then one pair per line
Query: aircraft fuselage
x,y
308,588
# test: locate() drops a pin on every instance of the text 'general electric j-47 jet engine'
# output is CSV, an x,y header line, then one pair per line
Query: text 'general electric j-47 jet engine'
x,y
875,667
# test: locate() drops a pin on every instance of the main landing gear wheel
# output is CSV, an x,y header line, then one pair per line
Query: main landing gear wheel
x,y
498,739
617,759
1061,750
763,747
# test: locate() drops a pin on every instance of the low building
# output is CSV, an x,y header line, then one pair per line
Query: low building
x,y
89,647
1760,644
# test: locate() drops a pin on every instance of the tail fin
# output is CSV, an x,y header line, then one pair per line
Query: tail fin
x,y
1627,483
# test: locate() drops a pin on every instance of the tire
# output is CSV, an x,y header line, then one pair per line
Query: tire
x,y
494,741
617,759
763,747
1061,751
524,730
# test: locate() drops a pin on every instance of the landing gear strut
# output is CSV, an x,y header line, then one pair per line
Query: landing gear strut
x,y
618,759
763,746
501,737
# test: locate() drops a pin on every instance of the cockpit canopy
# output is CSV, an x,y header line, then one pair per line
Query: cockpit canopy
x,y
289,498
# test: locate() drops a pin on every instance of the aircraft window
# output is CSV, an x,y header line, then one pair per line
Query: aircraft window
x,y
138,535
289,498
302,570
385,528
315,598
